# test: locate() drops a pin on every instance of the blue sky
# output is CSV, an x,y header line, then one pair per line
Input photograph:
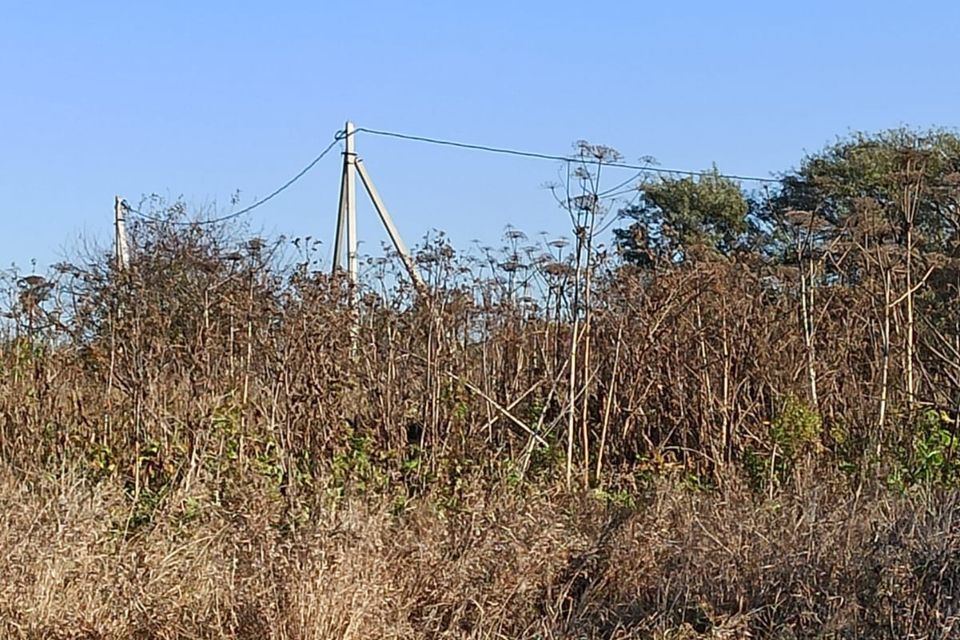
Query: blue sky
x,y
200,99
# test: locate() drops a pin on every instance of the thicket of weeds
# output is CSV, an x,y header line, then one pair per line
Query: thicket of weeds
x,y
225,441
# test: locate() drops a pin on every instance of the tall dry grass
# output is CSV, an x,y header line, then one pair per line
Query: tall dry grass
x,y
219,443
541,564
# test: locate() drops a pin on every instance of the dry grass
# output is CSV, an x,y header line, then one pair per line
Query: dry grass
x,y
202,448
503,565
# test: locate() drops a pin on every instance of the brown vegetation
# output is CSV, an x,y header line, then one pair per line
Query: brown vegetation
x,y
534,564
222,441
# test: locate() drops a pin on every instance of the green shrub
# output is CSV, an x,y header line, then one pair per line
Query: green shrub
x,y
931,456
797,429
795,432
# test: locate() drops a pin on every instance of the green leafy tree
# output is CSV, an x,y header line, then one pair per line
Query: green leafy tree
x,y
677,219
860,182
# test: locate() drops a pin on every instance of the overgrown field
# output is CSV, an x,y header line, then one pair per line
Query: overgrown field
x,y
742,429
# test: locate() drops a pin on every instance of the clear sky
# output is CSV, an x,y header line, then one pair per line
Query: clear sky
x,y
201,99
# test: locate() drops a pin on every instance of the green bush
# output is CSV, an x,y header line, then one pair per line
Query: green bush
x,y
795,432
931,456
797,429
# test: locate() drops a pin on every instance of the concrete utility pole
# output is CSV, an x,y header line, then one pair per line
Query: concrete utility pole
x,y
350,182
121,247
347,216
347,213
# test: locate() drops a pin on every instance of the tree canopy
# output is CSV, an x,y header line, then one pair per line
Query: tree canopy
x,y
877,184
864,180
679,218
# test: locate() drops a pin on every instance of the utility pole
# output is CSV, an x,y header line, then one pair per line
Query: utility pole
x,y
121,247
350,179
347,216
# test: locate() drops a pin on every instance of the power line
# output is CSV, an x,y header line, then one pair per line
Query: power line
x,y
340,135
616,188
558,158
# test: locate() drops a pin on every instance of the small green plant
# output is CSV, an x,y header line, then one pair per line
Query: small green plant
x,y
615,497
797,429
359,467
544,461
455,397
755,468
848,450
190,510
304,469
932,455
226,420
101,462
534,412
698,483
149,481
268,461
144,509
